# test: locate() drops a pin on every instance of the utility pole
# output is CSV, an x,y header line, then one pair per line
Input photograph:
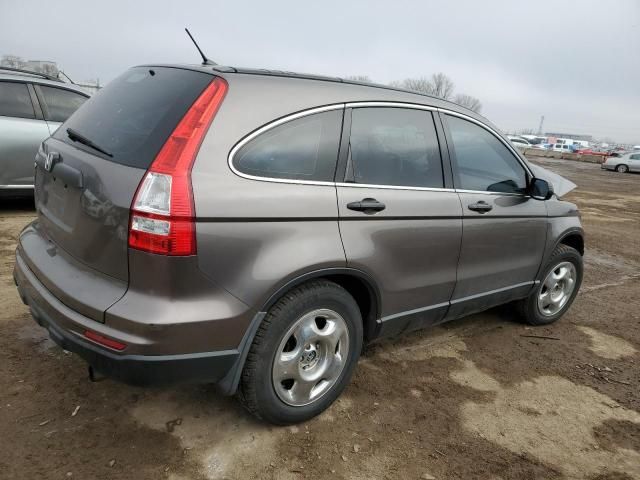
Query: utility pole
x,y
541,124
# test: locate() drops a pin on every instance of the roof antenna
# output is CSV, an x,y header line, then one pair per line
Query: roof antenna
x,y
205,60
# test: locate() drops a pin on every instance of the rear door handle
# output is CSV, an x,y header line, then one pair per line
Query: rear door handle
x,y
367,205
480,207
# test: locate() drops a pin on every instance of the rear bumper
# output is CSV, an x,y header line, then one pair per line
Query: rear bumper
x,y
66,328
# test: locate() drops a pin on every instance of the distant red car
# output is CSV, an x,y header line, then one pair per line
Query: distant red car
x,y
590,151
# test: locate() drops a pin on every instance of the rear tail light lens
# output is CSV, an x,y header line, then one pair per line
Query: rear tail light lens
x,y
104,341
163,213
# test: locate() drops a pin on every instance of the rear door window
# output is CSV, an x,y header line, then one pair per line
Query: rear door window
x,y
60,103
134,114
394,146
481,161
15,100
302,149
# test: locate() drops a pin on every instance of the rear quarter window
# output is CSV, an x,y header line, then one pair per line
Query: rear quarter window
x,y
133,116
302,149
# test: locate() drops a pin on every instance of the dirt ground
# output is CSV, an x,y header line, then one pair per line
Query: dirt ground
x,y
476,398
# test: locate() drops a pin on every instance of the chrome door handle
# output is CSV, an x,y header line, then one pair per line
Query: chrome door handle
x,y
480,207
367,205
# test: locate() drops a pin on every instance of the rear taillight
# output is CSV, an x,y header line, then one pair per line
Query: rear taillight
x,y
162,213
104,341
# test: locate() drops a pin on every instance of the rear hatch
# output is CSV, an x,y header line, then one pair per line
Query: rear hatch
x,y
87,175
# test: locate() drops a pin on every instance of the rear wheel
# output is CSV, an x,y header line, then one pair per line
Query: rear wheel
x,y
303,354
622,168
559,285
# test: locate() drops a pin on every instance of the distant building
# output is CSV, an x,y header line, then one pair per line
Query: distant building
x,y
42,66
48,68
90,87
575,136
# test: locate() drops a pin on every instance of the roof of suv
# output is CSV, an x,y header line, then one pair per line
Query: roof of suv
x,y
418,97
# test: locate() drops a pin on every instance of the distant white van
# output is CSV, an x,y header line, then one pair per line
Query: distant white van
x,y
562,147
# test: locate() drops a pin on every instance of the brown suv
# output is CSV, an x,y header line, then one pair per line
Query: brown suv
x,y
254,228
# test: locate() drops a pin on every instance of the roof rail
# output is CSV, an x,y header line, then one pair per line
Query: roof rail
x,y
31,72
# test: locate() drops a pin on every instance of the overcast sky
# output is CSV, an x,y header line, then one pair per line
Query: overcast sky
x,y
575,62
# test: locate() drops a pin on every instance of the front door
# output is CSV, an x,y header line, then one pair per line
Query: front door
x,y
504,229
397,221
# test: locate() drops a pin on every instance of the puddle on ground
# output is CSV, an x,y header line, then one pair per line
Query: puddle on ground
x,y
607,346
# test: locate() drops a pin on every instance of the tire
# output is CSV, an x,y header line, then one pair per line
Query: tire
x,y
622,168
534,309
287,343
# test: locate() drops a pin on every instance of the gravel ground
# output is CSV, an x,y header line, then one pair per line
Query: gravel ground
x,y
476,398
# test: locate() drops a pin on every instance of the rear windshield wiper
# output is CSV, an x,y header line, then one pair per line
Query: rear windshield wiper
x,y
76,137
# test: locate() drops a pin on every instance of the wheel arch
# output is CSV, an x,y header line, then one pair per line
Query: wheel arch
x,y
574,239
359,284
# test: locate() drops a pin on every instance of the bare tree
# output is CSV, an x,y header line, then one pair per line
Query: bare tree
x,y
472,103
359,78
418,84
421,85
441,86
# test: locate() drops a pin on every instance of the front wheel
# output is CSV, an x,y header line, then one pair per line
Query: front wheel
x,y
558,287
303,354
622,168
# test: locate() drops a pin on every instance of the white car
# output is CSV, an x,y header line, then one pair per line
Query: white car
x,y
629,162
519,142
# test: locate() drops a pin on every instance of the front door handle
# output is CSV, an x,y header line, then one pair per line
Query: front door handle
x,y
480,207
367,205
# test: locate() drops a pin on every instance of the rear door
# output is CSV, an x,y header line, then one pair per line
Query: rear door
x,y
83,195
22,129
634,162
504,230
398,221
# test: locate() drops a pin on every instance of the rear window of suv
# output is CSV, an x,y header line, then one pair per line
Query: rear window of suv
x,y
134,114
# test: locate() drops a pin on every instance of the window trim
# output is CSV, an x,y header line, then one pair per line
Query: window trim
x,y
36,102
347,105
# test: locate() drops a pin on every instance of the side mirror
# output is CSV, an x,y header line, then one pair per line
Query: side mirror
x,y
540,189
